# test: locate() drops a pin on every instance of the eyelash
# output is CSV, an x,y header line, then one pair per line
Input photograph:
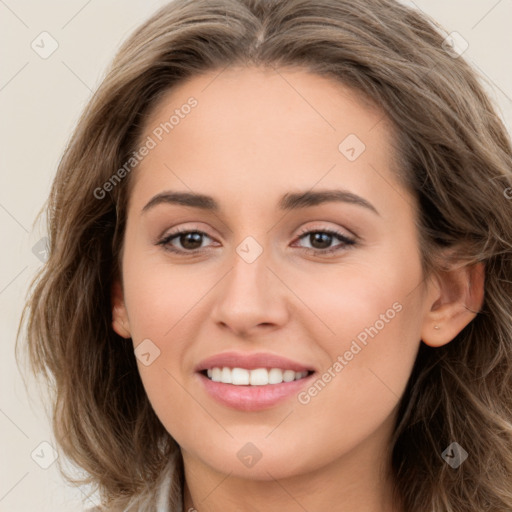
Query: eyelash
x,y
347,242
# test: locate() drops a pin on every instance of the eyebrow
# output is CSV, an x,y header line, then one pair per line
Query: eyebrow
x,y
290,201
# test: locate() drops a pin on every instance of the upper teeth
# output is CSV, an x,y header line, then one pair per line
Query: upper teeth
x,y
257,377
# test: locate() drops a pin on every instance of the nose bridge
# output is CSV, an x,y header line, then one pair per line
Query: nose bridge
x,y
250,294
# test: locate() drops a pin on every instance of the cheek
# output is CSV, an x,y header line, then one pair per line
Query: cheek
x,y
159,295
362,302
368,327
160,304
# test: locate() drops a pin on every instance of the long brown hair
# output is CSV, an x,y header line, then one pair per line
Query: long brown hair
x,y
455,156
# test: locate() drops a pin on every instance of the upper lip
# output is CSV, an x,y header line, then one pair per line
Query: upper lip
x,y
250,362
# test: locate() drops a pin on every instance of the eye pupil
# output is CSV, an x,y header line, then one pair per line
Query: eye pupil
x,y
324,238
196,240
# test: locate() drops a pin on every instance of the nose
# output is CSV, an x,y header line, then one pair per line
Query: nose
x,y
252,297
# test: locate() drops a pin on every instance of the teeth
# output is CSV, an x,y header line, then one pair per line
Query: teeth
x,y
275,376
288,375
239,376
257,377
225,376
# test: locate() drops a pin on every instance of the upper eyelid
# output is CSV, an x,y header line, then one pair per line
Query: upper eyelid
x,y
180,230
349,233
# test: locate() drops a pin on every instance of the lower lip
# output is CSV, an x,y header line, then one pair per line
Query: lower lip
x,y
252,398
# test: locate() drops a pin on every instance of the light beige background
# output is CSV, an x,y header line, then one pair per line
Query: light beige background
x,y
40,101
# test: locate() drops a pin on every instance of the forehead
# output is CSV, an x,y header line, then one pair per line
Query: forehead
x,y
263,101
263,129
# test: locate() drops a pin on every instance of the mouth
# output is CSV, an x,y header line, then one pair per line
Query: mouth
x,y
252,382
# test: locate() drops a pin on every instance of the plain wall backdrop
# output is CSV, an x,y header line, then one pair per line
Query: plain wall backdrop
x,y
41,98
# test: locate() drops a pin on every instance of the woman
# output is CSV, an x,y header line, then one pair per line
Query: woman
x,y
249,371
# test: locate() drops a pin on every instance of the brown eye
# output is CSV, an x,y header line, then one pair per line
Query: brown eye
x,y
190,241
321,241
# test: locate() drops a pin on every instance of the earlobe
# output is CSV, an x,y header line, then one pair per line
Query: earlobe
x,y
456,302
120,322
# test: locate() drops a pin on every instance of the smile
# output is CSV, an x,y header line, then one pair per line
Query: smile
x,y
252,381
256,377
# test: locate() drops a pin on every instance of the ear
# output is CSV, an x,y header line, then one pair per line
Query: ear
x,y
456,300
120,322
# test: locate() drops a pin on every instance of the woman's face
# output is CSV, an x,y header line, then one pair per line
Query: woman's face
x,y
304,266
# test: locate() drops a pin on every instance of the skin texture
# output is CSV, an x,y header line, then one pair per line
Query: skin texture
x,y
254,136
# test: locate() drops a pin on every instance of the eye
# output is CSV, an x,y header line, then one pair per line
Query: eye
x,y
190,241
322,238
